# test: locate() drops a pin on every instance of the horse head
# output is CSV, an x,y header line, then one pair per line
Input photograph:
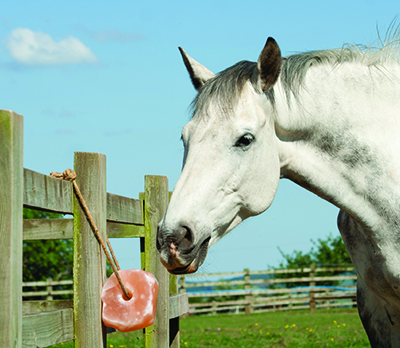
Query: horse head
x,y
231,165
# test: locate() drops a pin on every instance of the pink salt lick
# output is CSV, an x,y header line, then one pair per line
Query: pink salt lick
x,y
135,313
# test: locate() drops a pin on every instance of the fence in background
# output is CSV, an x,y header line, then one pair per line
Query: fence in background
x,y
278,290
44,323
51,289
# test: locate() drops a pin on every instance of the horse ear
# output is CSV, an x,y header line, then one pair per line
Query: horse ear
x,y
269,64
198,73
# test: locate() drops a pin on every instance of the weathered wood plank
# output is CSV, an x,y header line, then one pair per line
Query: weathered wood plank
x,y
89,259
64,229
34,307
124,209
156,201
117,230
178,305
47,193
11,193
45,329
48,229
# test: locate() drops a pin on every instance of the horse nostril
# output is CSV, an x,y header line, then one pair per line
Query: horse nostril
x,y
187,238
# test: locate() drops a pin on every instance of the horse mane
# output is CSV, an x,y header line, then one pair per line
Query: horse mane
x,y
224,89
295,67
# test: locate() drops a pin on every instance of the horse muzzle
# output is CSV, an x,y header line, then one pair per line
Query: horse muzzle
x,y
179,253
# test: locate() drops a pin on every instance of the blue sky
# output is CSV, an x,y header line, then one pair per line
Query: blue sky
x,y
107,77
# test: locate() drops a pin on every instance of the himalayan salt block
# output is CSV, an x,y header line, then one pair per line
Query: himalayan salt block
x,y
136,313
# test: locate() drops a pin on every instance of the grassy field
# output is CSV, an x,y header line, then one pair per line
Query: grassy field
x,y
330,328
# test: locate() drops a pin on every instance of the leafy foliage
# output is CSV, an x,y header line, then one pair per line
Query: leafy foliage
x,y
329,252
325,252
44,259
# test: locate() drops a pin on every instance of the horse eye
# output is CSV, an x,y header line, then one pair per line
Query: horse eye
x,y
245,140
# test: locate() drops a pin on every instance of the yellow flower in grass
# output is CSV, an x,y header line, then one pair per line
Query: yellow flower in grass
x,y
332,339
286,326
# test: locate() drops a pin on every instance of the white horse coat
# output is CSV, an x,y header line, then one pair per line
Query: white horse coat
x,y
327,120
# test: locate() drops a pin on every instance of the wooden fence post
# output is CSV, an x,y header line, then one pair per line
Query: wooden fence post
x,y
49,289
312,292
11,189
214,307
156,198
182,284
174,334
89,259
248,297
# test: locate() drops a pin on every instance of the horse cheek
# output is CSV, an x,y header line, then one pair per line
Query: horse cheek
x,y
262,183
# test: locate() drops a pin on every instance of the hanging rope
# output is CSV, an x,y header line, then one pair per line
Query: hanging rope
x,y
70,175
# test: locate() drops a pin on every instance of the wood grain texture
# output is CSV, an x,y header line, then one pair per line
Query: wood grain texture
x,y
156,200
11,190
89,259
35,229
47,193
178,305
35,307
124,209
117,230
45,329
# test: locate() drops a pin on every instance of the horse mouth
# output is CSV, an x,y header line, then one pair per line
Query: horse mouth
x,y
198,260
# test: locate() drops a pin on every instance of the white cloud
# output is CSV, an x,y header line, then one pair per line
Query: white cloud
x,y
35,48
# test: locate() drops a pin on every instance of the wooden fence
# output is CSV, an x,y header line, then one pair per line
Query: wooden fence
x,y
44,323
276,292
48,290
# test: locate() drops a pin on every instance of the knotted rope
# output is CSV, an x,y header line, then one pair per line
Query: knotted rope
x,y
70,175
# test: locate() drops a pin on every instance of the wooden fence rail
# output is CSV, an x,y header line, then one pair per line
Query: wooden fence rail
x,y
273,293
49,292
44,323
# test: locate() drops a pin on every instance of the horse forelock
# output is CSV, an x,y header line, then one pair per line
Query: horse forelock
x,y
223,91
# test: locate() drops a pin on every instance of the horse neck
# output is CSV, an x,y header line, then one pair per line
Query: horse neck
x,y
333,140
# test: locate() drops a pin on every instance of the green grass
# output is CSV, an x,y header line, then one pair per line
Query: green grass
x,y
293,329
324,328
